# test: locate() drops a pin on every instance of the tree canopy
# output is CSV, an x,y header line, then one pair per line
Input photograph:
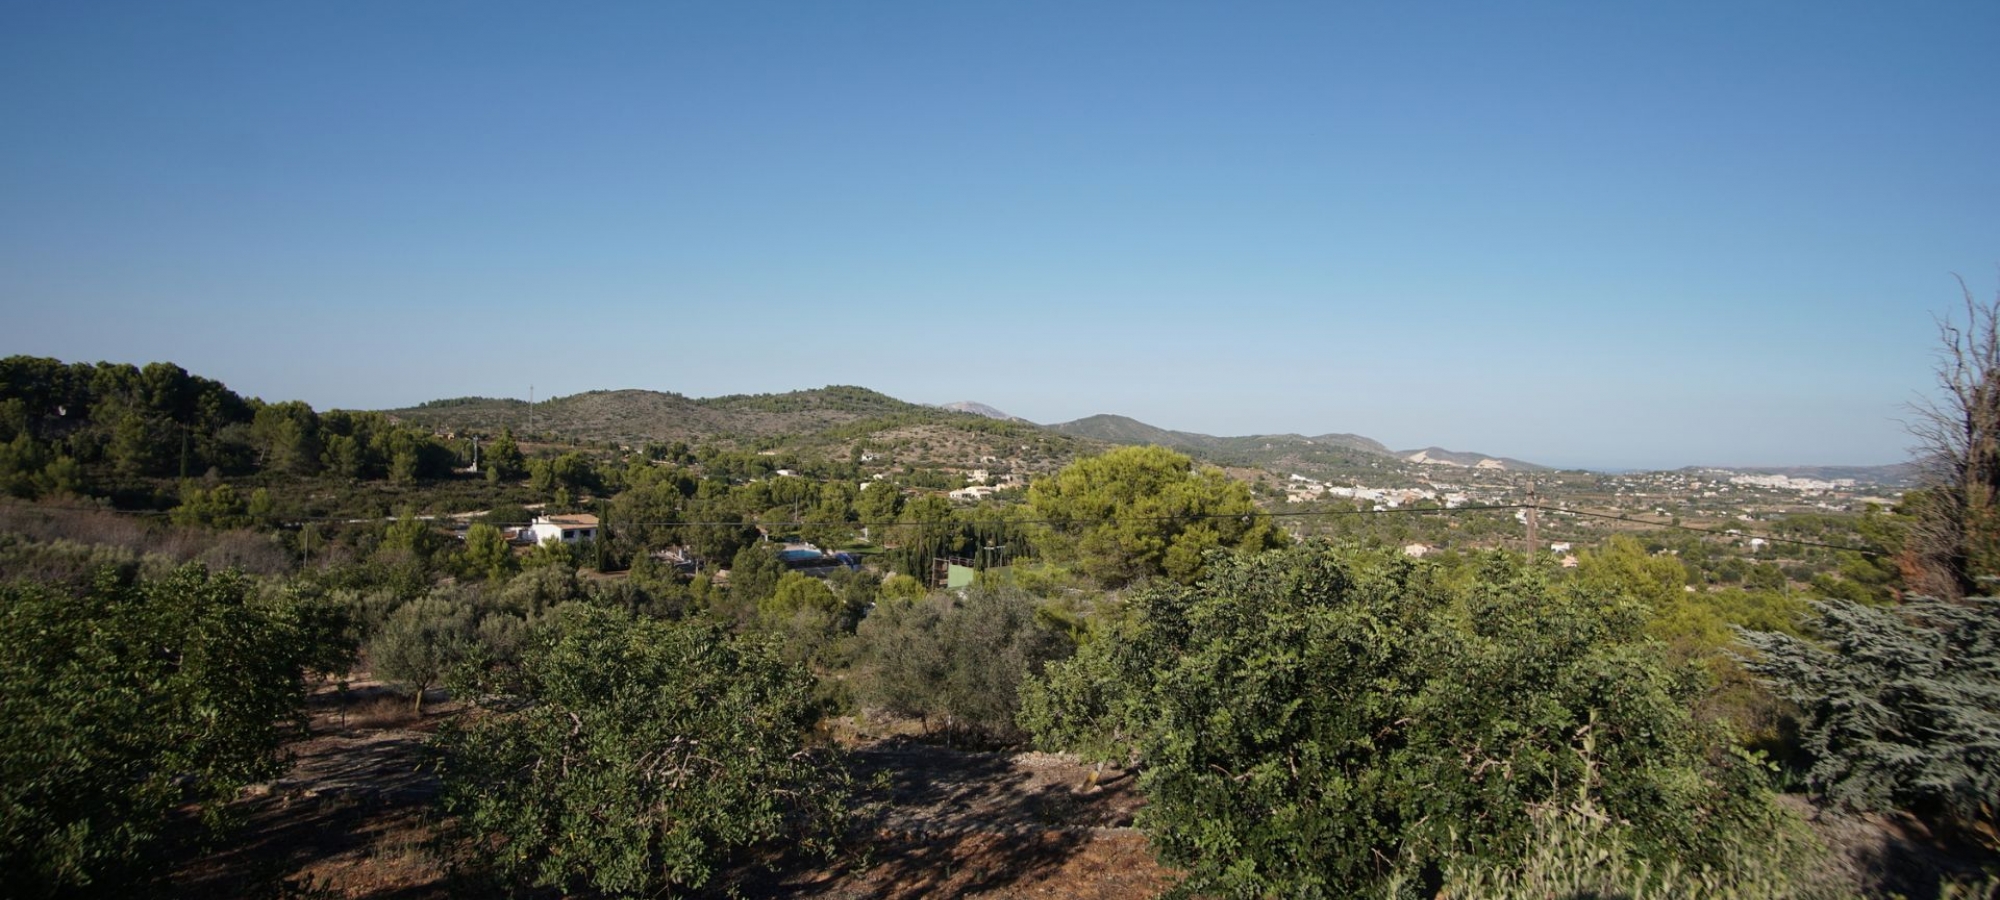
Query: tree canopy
x,y
119,704
1138,512
1313,723
635,755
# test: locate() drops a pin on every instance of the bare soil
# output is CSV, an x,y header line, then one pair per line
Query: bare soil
x,y
941,822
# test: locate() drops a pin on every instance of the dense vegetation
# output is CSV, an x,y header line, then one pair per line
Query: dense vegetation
x,y
1320,723
632,756
636,714
123,700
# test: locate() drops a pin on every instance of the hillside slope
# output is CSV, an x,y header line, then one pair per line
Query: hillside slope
x,y
1438,456
836,419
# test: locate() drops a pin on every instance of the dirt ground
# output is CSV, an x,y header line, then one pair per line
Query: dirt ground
x,y
352,819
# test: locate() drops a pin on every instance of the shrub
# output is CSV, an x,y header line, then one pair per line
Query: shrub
x,y
121,703
635,755
422,641
1900,707
959,660
1313,724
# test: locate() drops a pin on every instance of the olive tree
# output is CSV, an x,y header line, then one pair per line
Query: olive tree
x,y
422,641
958,660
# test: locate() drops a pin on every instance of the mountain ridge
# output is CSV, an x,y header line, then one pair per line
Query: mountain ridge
x,y
846,413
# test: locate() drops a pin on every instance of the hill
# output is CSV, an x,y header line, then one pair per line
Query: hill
x,y
830,420
1123,430
1323,453
981,409
842,417
1438,456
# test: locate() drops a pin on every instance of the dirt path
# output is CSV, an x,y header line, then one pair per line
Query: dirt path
x,y
939,822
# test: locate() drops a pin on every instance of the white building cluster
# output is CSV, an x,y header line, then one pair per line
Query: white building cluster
x,y
1788,483
1303,489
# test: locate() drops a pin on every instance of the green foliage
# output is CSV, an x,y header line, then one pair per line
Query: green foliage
x,y
121,703
537,590
1900,707
900,587
796,593
287,438
554,555
1312,723
414,537
1137,512
754,574
1699,625
503,460
1577,851
421,642
635,756
213,507
487,554
960,661
877,504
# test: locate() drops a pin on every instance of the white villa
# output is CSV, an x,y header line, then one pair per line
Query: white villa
x,y
567,529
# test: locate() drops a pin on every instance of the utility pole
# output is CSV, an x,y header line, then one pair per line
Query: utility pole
x,y
1533,508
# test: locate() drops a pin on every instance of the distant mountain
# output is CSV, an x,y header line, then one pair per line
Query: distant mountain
x,y
979,409
1124,430
1438,456
840,416
1247,450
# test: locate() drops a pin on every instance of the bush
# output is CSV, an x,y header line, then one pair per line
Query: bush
x,y
123,702
1312,724
1576,851
961,661
635,755
1900,707
422,641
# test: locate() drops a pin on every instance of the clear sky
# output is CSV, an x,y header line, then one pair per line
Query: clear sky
x,y
1605,234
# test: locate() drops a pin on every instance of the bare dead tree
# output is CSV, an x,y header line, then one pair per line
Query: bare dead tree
x,y
1954,539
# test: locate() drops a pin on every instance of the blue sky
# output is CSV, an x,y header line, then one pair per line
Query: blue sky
x,y
1582,234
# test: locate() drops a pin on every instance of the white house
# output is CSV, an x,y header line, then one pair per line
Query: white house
x,y
568,529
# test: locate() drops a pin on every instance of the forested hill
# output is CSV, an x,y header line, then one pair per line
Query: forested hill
x,y
1124,430
1275,451
820,416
